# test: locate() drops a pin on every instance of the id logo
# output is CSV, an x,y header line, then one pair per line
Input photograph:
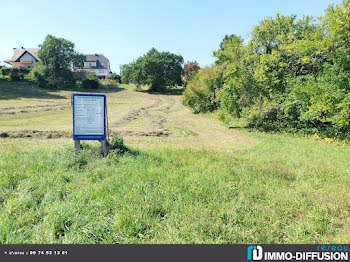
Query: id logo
x,y
255,253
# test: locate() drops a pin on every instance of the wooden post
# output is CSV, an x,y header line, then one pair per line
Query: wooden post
x,y
104,147
77,146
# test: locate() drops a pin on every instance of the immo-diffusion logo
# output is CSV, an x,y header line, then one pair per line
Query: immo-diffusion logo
x,y
322,253
255,253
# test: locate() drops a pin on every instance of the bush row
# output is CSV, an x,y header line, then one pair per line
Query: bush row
x,y
293,75
15,74
68,79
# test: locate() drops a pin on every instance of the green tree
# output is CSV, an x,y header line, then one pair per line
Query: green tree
x,y
57,58
231,50
293,74
202,92
125,73
156,69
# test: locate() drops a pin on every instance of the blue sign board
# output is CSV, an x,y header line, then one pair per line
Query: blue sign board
x,y
89,117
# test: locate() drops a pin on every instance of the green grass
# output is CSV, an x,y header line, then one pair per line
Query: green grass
x,y
282,190
133,87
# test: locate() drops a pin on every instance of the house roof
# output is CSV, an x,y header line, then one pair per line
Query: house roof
x,y
19,52
101,60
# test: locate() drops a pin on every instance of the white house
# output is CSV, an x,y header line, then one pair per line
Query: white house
x,y
96,64
23,57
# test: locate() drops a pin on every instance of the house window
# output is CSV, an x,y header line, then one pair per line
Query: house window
x,y
89,64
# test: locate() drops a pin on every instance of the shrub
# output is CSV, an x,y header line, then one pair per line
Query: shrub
x,y
90,82
115,77
265,116
80,75
109,83
39,79
230,101
202,93
24,71
15,75
117,145
64,81
36,71
42,77
5,71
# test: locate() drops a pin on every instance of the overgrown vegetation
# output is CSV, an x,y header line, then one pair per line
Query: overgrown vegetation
x,y
157,69
293,75
117,145
201,92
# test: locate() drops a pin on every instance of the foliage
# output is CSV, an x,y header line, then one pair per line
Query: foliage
x,y
80,75
115,77
109,83
117,145
190,68
57,57
5,71
126,74
37,75
24,71
293,74
156,69
91,82
231,49
16,75
202,93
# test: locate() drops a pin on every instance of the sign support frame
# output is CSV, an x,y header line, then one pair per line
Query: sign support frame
x,y
99,137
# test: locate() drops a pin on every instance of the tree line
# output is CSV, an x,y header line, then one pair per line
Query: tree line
x,y
292,75
58,57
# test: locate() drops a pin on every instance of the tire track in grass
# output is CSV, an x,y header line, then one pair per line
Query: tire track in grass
x,y
151,114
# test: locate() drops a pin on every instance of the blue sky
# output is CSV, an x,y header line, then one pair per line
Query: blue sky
x,y
123,30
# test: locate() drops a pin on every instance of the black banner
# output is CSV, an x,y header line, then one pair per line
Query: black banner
x,y
154,253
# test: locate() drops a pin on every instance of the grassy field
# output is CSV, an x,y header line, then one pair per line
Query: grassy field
x,y
186,178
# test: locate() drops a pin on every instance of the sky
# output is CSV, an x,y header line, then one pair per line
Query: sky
x,y
123,30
